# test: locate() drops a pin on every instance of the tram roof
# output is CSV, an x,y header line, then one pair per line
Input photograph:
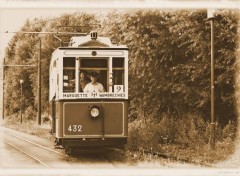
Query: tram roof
x,y
87,41
93,48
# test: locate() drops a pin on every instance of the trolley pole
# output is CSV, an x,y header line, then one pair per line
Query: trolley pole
x,y
39,84
212,127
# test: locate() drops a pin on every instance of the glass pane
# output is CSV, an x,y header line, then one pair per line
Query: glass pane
x,y
93,75
68,80
118,74
118,79
94,63
68,74
69,62
118,62
85,78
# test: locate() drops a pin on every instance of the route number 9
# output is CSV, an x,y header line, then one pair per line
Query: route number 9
x,y
118,88
75,128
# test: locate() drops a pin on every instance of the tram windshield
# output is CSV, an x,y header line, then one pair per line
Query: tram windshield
x,y
93,70
85,75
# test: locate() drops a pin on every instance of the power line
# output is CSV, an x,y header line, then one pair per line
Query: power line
x,y
44,32
19,65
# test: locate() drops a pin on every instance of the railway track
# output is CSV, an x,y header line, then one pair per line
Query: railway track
x,y
28,154
95,155
36,144
49,157
70,158
109,161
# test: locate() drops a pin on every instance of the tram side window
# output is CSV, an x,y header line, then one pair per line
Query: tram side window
x,y
118,74
68,74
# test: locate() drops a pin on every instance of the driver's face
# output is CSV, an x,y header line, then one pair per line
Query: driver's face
x,y
93,79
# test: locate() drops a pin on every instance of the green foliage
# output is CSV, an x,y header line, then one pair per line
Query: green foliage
x,y
229,131
185,137
24,49
29,114
169,67
169,73
189,131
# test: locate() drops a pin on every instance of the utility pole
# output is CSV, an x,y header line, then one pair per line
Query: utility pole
x,y
39,60
21,83
39,83
3,84
212,127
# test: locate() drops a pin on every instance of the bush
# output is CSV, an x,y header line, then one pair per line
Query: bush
x,y
189,134
141,134
229,131
30,113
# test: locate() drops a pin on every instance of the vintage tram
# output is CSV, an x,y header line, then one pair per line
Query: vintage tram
x,y
89,118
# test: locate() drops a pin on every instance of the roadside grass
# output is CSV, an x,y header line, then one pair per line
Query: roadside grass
x,y
30,127
186,139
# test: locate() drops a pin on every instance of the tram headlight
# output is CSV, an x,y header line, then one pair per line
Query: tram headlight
x,y
94,111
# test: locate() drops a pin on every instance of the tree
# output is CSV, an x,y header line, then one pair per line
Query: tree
x,y
24,49
169,59
169,65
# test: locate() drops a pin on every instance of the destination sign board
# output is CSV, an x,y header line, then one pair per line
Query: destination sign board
x,y
105,95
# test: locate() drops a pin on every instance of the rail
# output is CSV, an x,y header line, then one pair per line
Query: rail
x,y
28,154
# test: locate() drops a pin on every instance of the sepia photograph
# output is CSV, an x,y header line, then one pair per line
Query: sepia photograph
x,y
112,88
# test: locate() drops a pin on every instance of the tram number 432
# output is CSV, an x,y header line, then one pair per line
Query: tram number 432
x,y
75,128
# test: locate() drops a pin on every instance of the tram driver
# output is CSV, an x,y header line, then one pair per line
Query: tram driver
x,y
94,86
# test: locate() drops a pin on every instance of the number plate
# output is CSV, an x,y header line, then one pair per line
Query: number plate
x,y
75,128
118,88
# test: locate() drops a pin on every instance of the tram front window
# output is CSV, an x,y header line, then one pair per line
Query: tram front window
x,y
93,75
118,74
68,74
